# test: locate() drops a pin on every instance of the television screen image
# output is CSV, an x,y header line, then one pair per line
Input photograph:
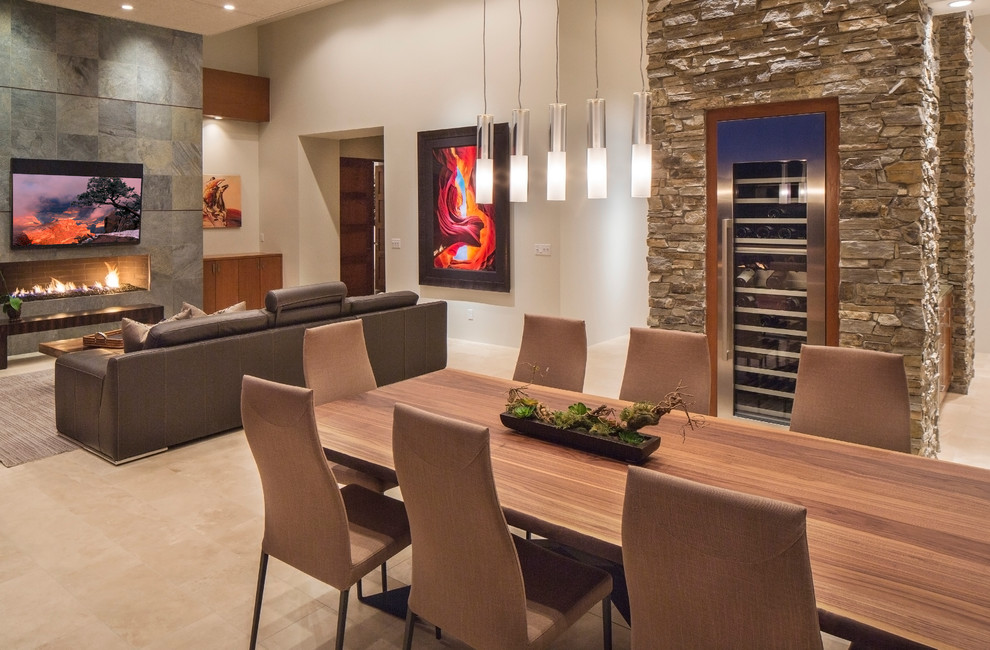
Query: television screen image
x,y
72,203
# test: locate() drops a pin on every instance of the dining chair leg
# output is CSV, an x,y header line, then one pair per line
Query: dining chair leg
x,y
607,622
262,571
341,618
384,587
410,626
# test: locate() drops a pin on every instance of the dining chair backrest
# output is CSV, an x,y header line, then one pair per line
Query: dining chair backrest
x,y
659,360
708,567
335,361
553,352
306,522
466,576
854,395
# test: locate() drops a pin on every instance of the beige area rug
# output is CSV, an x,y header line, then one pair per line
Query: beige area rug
x,y
27,419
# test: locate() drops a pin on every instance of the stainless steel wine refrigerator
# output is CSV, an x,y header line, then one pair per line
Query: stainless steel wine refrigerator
x,y
771,258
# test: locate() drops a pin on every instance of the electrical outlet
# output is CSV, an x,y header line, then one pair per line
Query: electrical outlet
x,y
470,314
262,237
396,243
541,249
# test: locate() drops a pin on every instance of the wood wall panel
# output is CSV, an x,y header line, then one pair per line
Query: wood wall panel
x,y
235,96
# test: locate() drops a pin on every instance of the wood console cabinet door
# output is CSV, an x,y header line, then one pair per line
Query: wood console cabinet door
x,y
219,283
229,279
256,275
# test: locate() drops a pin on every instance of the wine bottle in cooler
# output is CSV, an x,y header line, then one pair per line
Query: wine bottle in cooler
x,y
745,277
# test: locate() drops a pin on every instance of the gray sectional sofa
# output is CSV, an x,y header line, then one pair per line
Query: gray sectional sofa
x,y
185,383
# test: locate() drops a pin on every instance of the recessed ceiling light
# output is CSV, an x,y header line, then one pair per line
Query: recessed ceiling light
x,y
126,7
229,7
960,3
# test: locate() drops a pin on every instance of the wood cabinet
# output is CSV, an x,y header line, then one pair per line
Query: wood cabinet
x,y
945,327
229,279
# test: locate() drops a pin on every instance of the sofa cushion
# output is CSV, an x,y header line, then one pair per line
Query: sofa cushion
x,y
214,326
311,302
391,300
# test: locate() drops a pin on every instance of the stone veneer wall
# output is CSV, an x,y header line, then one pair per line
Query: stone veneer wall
x,y
76,86
956,190
872,56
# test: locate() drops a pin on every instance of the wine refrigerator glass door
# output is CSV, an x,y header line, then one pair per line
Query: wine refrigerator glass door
x,y
771,211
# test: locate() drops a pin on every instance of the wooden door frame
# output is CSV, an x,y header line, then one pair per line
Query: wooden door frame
x,y
830,107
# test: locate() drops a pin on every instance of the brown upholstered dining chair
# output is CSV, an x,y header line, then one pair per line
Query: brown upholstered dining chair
x,y
553,352
470,576
854,395
336,535
336,365
708,567
658,360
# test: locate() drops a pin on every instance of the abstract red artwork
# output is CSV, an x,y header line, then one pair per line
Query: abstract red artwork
x,y
462,243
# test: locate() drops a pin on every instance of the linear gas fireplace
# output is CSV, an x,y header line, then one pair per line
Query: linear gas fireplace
x,y
75,278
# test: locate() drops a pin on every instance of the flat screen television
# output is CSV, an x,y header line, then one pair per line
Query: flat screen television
x,y
74,203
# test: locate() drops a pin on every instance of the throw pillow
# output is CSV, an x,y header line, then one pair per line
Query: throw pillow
x,y
241,306
194,311
134,334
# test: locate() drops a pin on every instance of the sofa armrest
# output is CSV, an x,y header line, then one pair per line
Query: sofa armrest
x,y
78,394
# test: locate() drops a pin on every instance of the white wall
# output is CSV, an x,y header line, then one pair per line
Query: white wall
x,y
981,91
409,67
233,51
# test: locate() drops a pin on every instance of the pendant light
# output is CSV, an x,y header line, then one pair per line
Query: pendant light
x,y
597,157
484,170
519,135
641,168
557,155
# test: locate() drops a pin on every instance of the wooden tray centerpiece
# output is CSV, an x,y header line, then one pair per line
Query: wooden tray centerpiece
x,y
597,430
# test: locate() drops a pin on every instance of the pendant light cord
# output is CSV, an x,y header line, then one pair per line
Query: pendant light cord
x,y
519,58
484,51
596,49
642,45
556,47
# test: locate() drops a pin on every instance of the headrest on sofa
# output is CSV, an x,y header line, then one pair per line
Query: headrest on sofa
x,y
306,303
380,301
214,326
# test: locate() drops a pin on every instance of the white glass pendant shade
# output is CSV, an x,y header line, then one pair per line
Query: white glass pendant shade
x,y
484,172
557,155
519,157
597,158
641,170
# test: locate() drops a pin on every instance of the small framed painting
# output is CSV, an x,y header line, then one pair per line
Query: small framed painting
x,y
462,243
221,201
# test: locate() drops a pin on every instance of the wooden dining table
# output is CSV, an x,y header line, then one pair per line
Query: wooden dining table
x,y
899,544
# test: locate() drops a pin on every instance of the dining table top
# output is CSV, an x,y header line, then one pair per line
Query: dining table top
x,y
898,543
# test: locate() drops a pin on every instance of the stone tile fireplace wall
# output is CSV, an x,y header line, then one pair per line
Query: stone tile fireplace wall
x,y
75,86
878,59
956,191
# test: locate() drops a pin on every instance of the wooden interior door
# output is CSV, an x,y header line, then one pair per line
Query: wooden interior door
x,y
379,227
357,225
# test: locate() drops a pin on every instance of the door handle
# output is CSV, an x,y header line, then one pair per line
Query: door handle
x,y
726,322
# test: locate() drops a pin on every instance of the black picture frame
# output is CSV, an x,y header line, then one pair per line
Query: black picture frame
x,y
454,249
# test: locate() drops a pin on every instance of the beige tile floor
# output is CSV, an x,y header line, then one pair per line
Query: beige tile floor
x,y
163,552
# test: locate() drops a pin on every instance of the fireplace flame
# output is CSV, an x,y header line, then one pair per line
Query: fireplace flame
x,y
56,287
112,280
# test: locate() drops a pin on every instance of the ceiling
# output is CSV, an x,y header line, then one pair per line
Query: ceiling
x,y
208,17
205,17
